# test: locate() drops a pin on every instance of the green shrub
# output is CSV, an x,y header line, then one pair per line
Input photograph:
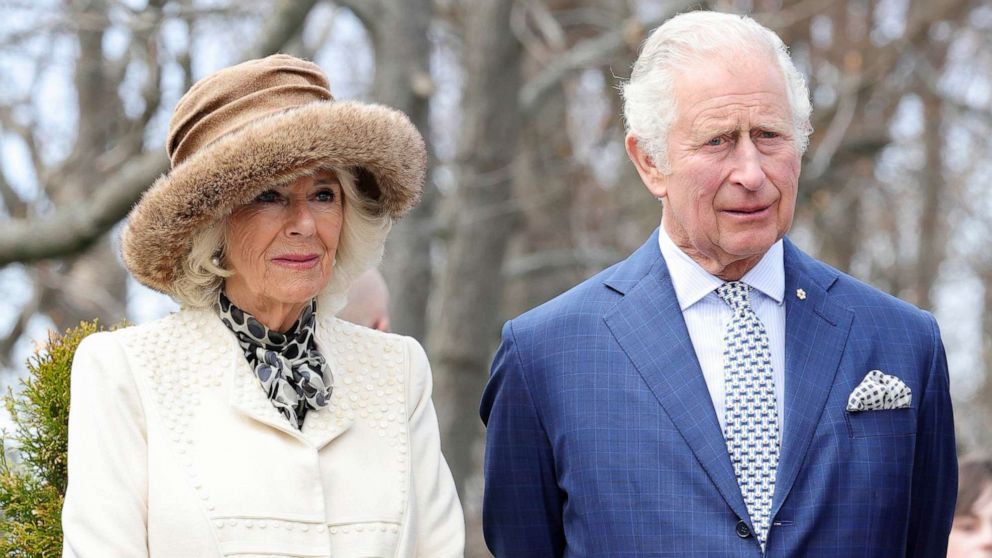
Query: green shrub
x,y
32,487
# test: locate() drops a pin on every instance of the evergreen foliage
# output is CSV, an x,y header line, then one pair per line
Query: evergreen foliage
x,y
32,487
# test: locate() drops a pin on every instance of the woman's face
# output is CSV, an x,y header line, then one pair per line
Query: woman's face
x,y
281,246
971,533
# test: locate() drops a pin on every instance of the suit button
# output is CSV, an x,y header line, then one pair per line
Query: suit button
x,y
742,530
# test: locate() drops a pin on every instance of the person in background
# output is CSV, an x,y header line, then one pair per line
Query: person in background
x,y
368,302
971,532
719,392
253,422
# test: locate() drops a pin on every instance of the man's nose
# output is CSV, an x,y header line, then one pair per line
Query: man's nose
x,y
747,171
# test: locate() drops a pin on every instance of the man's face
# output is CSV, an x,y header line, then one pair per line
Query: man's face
x,y
734,164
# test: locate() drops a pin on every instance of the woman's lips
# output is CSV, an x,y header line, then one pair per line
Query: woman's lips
x,y
297,261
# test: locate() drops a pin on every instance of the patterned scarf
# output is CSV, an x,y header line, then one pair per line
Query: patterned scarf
x,y
292,371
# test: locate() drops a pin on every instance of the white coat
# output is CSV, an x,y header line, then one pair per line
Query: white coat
x,y
175,452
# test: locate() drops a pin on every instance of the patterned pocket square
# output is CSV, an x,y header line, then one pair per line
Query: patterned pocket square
x,y
879,391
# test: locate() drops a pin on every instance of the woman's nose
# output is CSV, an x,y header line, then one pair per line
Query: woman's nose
x,y
301,221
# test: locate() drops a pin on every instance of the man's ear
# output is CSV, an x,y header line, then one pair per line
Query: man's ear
x,y
654,180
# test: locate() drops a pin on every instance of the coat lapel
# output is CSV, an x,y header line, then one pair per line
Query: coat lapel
x,y
247,397
816,331
323,426
648,325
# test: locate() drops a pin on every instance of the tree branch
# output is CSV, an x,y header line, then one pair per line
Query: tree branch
x,y
20,324
26,132
836,131
281,28
16,207
40,28
366,11
800,12
884,58
548,261
546,40
584,54
72,228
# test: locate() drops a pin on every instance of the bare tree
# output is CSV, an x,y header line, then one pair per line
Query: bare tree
x,y
107,160
108,165
401,41
543,195
470,291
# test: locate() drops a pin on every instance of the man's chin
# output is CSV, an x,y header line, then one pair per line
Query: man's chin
x,y
751,241
748,250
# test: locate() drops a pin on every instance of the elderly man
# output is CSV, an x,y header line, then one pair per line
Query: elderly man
x,y
719,393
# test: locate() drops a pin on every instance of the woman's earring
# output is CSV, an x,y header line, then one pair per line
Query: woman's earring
x,y
215,259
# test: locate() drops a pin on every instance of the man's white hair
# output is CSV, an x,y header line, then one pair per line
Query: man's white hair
x,y
693,38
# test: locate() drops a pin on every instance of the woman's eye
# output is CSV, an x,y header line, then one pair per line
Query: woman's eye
x,y
715,142
327,196
268,196
767,134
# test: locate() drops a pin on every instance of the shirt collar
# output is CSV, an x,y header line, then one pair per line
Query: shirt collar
x,y
692,282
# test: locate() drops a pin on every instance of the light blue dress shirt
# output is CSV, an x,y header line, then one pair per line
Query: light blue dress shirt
x,y
706,316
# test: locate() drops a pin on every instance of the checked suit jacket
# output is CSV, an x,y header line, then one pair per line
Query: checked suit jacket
x,y
602,439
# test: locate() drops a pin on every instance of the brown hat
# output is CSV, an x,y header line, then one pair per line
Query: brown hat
x,y
249,127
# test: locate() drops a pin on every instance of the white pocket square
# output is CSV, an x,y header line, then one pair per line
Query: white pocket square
x,y
880,391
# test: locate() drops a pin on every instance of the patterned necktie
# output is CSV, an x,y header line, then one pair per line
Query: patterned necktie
x,y
751,414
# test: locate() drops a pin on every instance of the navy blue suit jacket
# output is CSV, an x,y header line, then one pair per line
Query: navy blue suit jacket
x,y
602,439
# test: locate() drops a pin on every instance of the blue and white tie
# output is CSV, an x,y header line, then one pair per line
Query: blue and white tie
x,y
751,415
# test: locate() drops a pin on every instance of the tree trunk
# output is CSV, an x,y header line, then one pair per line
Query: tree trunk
x,y
94,284
402,80
931,247
979,425
470,292
547,181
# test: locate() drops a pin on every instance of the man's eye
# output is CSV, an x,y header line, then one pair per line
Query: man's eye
x,y
268,196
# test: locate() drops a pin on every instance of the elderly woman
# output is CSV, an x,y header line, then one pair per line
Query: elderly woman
x,y
253,422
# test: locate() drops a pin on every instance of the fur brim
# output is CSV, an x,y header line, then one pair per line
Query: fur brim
x,y
379,143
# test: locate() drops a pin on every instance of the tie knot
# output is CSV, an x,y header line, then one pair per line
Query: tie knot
x,y
735,294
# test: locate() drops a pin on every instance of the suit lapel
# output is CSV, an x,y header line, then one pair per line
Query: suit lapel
x,y
816,331
648,325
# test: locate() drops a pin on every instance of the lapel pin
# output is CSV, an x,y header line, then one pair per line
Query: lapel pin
x,y
800,294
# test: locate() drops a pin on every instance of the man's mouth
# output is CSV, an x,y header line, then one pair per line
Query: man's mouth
x,y
748,211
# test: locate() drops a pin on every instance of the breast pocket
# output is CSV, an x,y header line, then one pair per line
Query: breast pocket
x,y
891,422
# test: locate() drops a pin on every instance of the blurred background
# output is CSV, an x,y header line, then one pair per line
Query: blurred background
x,y
530,190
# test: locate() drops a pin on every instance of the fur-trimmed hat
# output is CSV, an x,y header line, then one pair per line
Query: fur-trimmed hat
x,y
249,127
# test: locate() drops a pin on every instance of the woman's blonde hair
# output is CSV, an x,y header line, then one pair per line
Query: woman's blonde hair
x,y
360,245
